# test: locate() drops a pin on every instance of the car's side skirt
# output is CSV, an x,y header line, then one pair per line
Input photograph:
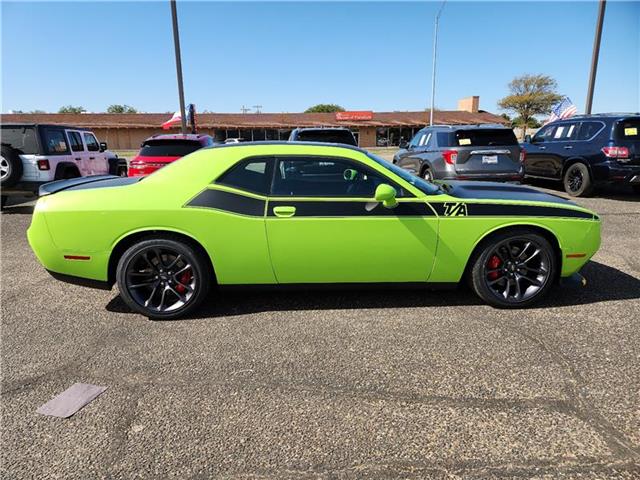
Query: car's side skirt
x,y
342,286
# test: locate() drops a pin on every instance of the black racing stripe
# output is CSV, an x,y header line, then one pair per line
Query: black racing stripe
x,y
229,202
501,210
351,209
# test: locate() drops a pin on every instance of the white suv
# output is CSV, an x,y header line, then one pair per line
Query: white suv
x,y
33,154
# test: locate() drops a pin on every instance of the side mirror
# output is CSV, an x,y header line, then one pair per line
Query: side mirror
x,y
387,195
350,175
103,146
404,144
527,138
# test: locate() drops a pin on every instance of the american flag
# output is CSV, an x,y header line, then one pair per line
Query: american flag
x,y
564,109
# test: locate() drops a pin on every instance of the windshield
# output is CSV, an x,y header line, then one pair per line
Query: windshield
x,y
419,183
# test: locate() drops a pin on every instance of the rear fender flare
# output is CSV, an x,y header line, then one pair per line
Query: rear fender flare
x,y
572,161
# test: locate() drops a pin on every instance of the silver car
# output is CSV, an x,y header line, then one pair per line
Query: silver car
x,y
463,152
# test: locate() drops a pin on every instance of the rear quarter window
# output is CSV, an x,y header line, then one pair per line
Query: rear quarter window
x,y
23,139
55,142
502,137
628,129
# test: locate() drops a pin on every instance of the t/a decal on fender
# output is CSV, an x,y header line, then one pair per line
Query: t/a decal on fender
x,y
455,209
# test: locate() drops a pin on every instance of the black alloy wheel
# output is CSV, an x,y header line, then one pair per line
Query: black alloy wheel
x,y
163,278
514,270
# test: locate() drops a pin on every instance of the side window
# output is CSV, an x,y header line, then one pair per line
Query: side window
x,y
76,141
253,175
443,139
545,133
417,138
588,130
566,131
325,177
92,143
55,141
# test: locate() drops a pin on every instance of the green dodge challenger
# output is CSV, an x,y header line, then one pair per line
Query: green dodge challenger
x,y
303,213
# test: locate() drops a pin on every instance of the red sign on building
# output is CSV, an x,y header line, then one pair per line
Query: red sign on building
x,y
359,115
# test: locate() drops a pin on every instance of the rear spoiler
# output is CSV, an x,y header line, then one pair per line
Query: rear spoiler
x,y
59,185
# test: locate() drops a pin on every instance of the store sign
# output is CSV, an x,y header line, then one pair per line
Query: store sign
x,y
360,115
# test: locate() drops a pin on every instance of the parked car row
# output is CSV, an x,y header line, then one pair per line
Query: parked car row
x,y
582,152
34,154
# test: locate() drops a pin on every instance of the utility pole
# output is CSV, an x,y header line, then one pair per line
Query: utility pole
x,y
244,109
257,107
176,44
435,51
594,58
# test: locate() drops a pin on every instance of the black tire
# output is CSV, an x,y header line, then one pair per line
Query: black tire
x,y
122,171
635,189
427,174
10,167
529,283
577,180
160,253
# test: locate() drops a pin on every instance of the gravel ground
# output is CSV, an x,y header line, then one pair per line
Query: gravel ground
x,y
328,384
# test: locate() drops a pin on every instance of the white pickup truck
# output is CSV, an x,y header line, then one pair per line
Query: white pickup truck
x,y
34,154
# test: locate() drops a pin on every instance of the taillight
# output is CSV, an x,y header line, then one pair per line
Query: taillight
x,y
523,155
43,164
450,156
616,152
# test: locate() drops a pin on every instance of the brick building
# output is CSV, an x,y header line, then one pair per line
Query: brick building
x,y
127,131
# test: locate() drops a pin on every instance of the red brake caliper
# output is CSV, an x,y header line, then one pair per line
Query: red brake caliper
x,y
184,279
493,263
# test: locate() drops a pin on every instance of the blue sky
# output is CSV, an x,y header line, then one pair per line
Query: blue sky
x,y
288,56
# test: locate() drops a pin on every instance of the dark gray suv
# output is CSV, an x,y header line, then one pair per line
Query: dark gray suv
x,y
463,152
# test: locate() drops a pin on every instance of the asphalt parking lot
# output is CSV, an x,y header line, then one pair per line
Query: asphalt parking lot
x,y
382,384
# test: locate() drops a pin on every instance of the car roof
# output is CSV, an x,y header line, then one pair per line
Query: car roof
x,y
306,129
179,136
470,126
598,116
290,144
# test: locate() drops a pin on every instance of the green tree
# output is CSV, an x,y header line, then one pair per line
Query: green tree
x,y
121,109
530,95
37,111
71,109
531,123
324,108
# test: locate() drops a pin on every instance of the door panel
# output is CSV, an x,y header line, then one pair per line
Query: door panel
x,y
79,155
350,240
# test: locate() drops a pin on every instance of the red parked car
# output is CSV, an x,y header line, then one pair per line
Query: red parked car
x,y
160,150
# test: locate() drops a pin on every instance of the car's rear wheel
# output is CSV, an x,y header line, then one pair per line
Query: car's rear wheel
x,y
577,180
427,174
10,167
163,278
513,269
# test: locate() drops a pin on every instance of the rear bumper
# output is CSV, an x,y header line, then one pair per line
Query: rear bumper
x,y
616,172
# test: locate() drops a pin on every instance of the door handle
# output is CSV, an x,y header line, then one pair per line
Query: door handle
x,y
77,159
543,147
568,147
92,158
284,212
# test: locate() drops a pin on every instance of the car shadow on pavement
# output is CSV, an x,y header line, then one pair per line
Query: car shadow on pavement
x,y
604,283
18,210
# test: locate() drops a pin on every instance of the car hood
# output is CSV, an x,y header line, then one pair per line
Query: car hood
x,y
499,191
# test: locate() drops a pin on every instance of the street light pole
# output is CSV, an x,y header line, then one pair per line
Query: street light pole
x,y
435,51
176,45
596,53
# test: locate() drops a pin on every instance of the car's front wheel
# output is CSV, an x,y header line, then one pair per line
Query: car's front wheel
x,y
163,278
513,269
427,174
